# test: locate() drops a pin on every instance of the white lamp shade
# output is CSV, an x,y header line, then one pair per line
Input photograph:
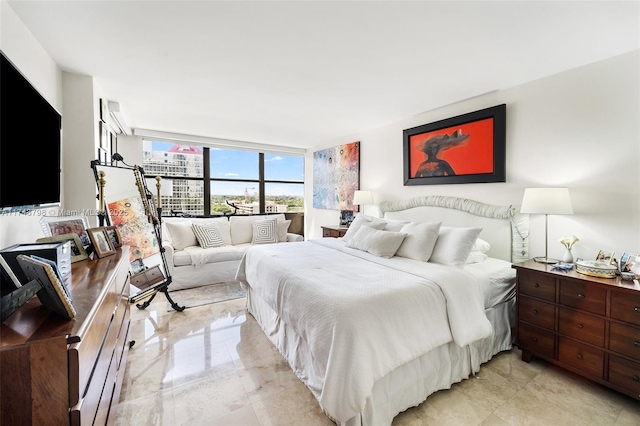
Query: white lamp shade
x,y
362,197
546,201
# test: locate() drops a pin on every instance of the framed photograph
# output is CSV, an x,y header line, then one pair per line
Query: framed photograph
x,y
346,217
605,256
137,266
629,261
78,252
60,225
469,148
114,236
100,241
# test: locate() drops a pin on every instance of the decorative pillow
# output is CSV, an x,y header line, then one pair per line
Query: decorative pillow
x,y
181,234
420,240
283,228
395,225
454,245
481,245
265,231
224,229
476,257
207,235
362,219
377,242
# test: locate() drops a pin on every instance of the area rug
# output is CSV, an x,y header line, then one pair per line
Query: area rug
x,y
206,295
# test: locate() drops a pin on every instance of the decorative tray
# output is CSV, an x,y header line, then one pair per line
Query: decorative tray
x,y
596,269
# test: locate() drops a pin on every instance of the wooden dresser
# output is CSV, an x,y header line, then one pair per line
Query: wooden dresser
x,y
334,231
58,372
588,325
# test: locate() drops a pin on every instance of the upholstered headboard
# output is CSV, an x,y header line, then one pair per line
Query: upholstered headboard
x,y
502,226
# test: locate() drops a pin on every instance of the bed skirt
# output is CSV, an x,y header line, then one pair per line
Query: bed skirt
x,y
408,385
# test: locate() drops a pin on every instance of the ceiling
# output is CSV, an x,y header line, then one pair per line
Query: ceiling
x,y
305,73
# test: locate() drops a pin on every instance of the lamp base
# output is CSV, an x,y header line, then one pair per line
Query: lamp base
x,y
547,260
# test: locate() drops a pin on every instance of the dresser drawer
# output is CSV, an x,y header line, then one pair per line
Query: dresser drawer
x,y
625,340
537,312
537,285
537,340
625,307
582,357
584,296
625,374
581,326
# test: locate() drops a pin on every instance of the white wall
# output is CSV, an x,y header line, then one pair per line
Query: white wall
x,y
76,98
578,129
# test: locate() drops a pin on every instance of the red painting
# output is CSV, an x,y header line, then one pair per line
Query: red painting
x,y
469,148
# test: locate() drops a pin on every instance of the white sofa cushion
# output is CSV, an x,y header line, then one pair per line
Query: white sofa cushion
x,y
283,228
220,254
242,228
181,234
223,226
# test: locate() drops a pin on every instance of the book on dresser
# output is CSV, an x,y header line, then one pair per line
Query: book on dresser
x,y
587,325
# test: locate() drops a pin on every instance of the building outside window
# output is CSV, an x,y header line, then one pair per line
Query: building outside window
x,y
233,178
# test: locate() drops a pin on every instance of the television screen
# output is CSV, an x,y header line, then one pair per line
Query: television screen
x,y
30,141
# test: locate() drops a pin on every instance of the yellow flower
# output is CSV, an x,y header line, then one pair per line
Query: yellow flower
x,y
569,240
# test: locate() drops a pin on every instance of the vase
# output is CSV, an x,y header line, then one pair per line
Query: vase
x,y
568,257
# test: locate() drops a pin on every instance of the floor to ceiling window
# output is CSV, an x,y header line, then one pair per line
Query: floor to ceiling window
x,y
204,181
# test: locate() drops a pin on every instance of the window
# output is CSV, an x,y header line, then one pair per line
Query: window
x,y
227,177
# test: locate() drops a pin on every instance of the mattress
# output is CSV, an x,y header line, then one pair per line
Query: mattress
x,y
499,280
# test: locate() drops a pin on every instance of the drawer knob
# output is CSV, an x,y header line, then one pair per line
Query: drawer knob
x,y
579,356
538,285
636,379
637,309
535,339
535,312
581,296
636,344
580,326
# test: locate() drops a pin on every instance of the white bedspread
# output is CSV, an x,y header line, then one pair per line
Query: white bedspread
x,y
358,330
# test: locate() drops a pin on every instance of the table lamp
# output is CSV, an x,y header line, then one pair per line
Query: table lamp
x,y
546,201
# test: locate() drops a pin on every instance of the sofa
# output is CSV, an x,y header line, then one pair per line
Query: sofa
x,y
202,251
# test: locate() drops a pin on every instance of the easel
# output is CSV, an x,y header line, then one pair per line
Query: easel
x,y
154,216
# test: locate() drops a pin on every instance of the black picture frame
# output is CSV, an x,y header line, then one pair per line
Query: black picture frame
x,y
480,141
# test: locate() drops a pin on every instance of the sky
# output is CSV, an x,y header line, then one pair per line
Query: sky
x,y
238,164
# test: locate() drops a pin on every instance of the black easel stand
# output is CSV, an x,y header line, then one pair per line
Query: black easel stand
x,y
164,287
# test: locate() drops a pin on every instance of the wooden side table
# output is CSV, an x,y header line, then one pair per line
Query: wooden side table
x,y
334,231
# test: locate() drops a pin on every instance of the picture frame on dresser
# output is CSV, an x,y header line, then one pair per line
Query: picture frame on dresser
x,y
78,252
101,242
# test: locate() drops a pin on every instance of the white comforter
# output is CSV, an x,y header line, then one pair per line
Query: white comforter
x,y
362,316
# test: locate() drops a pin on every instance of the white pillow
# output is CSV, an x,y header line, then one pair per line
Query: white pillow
x,y
420,240
181,234
207,234
224,229
283,228
265,231
476,257
454,245
395,225
362,219
481,245
377,242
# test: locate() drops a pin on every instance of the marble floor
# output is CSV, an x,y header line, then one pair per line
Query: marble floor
x,y
213,365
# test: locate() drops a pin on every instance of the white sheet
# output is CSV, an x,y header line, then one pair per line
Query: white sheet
x,y
354,329
497,280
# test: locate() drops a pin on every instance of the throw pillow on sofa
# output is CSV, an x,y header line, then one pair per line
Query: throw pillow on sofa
x,y
265,231
283,228
207,235
181,234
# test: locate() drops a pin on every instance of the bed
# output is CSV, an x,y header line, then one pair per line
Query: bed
x,y
372,334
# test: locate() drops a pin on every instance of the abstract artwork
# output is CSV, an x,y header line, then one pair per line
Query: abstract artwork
x,y
336,176
469,148
129,217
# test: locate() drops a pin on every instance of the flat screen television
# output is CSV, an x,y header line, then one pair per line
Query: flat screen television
x,y
30,142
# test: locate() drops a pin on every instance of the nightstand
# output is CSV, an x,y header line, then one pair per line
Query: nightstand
x,y
587,325
334,231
